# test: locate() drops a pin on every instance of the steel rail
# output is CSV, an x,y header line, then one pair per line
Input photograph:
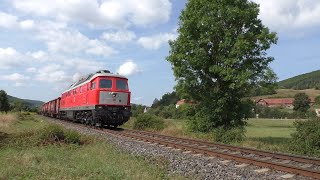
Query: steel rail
x,y
242,159
302,159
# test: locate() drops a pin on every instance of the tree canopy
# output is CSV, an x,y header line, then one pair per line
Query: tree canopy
x,y
166,100
301,102
4,103
219,54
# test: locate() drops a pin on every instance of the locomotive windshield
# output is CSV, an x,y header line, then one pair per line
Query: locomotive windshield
x,y
105,83
122,84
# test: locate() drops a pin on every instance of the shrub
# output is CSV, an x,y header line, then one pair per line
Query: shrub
x,y
148,121
72,137
312,114
228,136
317,100
306,140
187,111
56,134
23,115
52,133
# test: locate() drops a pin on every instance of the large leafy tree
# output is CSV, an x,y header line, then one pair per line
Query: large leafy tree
x,y
301,102
219,54
4,102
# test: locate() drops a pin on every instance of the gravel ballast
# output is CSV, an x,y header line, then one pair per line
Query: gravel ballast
x,y
191,166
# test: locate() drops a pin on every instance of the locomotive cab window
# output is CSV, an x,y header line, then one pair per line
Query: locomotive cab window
x,y
106,83
122,84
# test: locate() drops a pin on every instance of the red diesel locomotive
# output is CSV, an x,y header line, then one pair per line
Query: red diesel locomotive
x,y
99,99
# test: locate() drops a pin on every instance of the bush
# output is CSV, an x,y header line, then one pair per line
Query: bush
x,y
72,137
23,116
306,140
148,121
57,134
228,136
187,111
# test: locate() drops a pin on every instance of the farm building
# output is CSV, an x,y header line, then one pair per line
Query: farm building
x,y
279,102
182,101
318,112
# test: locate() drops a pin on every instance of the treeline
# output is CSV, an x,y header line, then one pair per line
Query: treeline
x,y
184,111
304,81
166,108
16,105
166,100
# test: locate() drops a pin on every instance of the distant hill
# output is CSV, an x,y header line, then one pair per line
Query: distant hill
x,y
303,81
28,102
289,93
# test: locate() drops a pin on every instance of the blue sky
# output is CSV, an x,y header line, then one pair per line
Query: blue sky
x,y
45,45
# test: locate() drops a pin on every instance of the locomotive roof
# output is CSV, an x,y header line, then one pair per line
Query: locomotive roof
x,y
90,77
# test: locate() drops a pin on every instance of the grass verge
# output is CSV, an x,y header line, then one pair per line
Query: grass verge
x,y
31,149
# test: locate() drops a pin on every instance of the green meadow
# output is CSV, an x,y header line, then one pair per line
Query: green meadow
x,y
27,151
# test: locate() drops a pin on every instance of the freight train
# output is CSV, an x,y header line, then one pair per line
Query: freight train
x,y
99,99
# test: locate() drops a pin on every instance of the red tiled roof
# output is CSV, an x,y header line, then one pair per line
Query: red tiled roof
x,y
279,101
183,101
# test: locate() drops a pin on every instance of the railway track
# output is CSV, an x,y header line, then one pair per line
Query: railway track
x,y
300,165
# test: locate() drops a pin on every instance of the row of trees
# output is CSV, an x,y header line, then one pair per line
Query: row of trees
x,y
168,110
5,106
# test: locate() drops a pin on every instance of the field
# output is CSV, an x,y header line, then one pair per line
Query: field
x,y
289,93
23,157
266,134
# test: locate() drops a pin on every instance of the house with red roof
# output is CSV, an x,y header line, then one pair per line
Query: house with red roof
x,y
182,101
279,102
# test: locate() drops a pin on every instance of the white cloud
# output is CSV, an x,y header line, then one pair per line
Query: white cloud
x,y
9,58
97,47
82,65
31,70
107,13
65,40
156,41
27,24
129,68
39,56
290,15
10,21
19,84
150,11
15,77
120,37
52,73
76,77
7,20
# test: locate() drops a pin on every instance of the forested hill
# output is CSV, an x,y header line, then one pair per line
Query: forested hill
x,y
27,102
303,81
